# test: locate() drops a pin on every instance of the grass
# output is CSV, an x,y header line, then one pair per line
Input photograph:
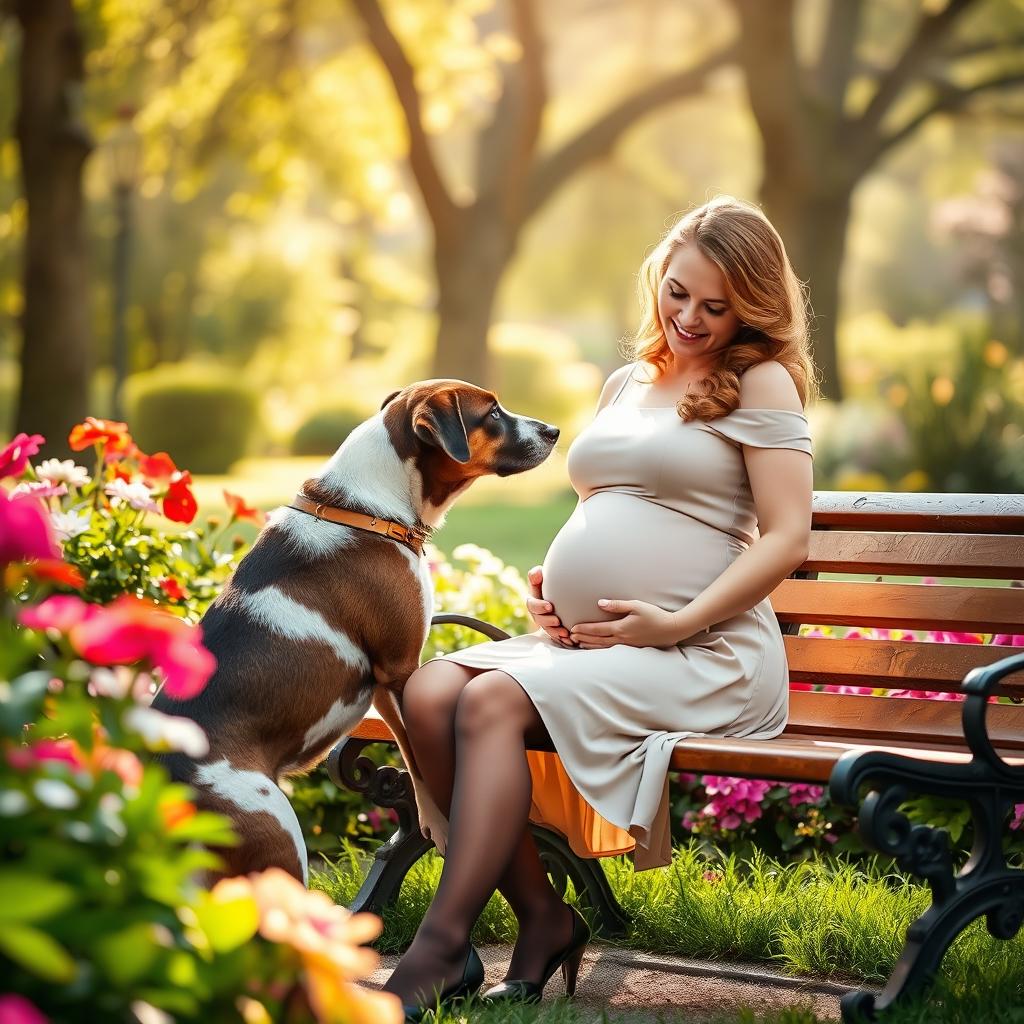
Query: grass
x,y
824,919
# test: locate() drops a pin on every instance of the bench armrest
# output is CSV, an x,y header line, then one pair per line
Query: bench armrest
x,y
979,685
451,619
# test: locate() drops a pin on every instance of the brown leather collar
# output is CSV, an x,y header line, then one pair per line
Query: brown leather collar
x,y
412,536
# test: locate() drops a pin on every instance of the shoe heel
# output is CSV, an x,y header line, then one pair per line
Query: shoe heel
x,y
570,971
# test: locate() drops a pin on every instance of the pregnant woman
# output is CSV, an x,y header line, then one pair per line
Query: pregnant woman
x,y
694,481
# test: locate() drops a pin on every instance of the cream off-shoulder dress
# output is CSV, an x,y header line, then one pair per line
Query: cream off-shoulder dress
x,y
665,506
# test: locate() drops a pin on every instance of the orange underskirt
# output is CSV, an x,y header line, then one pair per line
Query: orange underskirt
x,y
557,805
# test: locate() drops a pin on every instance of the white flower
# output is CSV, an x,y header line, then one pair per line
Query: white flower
x,y
167,732
69,524
111,682
62,472
138,495
41,489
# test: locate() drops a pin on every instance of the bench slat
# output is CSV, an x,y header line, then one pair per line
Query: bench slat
x,y
893,664
900,605
897,719
930,512
791,759
978,556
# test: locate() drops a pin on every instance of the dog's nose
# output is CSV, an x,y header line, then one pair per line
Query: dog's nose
x,y
549,432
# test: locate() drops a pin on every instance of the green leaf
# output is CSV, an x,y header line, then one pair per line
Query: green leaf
x,y
25,897
37,952
128,954
228,922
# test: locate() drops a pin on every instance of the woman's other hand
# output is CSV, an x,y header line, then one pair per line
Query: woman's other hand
x,y
542,612
639,625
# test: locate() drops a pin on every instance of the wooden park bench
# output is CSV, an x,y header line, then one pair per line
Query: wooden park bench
x,y
874,752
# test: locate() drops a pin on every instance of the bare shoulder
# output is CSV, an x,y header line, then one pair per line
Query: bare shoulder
x,y
611,386
768,385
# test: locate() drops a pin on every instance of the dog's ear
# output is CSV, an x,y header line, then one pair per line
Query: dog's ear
x,y
438,421
394,394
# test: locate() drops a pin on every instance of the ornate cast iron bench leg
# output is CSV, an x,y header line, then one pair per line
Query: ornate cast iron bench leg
x,y
985,886
388,786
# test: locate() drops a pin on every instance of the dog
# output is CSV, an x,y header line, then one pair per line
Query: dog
x,y
329,610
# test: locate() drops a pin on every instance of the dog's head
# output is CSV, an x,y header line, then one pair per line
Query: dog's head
x,y
456,432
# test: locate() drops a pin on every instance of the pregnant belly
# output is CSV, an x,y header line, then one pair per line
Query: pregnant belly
x,y
623,547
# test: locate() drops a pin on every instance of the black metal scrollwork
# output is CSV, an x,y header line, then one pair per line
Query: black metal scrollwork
x,y
985,886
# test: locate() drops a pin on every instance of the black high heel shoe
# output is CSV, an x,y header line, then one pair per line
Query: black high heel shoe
x,y
569,959
470,982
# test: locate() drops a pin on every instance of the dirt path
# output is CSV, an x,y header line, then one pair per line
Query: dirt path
x,y
645,988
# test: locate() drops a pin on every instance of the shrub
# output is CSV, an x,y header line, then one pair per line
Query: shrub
x,y
326,427
199,412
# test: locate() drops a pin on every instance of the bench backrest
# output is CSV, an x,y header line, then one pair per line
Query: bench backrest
x,y
970,537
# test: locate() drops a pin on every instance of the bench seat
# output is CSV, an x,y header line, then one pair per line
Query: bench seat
x,y
873,738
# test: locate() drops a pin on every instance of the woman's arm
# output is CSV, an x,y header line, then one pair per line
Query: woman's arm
x,y
782,485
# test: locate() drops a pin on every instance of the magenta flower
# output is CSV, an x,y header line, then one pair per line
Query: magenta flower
x,y
15,1009
1008,639
25,530
804,793
734,800
14,458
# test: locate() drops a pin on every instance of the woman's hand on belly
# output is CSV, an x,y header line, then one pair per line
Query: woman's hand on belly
x,y
639,624
542,612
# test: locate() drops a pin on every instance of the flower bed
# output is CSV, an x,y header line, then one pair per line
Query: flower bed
x,y
102,916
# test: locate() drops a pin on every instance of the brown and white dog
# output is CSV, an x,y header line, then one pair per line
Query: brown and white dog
x,y
322,618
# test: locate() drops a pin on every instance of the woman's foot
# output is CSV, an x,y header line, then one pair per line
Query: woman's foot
x,y
429,968
540,937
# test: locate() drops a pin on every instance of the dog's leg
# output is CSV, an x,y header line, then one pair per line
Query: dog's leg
x,y
433,824
261,814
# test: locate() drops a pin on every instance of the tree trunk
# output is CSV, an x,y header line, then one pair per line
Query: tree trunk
x,y
469,264
813,225
53,144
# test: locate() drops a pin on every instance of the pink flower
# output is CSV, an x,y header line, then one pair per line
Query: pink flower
x,y
1009,639
131,629
14,458
1018,816
40,489
61,612
126,631
927,694
15,1009
25,530
803,793
735,800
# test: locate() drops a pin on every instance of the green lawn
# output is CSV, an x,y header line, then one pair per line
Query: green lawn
x,y
823,919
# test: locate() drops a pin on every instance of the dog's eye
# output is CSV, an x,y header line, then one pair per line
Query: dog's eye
x,y
495,413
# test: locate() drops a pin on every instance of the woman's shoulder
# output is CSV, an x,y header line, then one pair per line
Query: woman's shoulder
x,y
769,385
616,379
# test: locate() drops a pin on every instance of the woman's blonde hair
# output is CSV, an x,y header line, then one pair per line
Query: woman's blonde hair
x,y
762,289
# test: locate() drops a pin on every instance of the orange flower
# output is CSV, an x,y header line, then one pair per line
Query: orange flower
x,y
45,570
94,431
180,504
243,513
329,939
176,812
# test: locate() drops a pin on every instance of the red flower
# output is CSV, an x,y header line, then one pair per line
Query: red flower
x,y
14,458
172,587
158,468
179,502
93,431
25,530
52,570
243,513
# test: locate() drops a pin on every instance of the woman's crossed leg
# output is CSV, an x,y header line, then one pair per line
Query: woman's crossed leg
x,y
469,729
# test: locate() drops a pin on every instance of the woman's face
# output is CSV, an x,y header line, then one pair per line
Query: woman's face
x,y
695,316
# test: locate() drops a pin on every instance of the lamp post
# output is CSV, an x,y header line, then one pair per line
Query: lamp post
x,y
123,150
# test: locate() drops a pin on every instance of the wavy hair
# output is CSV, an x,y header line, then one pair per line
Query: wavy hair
x,y
760,285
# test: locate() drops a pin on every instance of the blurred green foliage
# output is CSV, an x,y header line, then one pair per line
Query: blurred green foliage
x,y
326,427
